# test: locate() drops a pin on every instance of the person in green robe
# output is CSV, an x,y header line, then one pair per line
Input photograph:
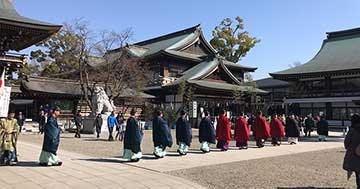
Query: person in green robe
x,y
9,132
48,156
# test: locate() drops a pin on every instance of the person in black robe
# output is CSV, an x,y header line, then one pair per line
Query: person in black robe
x,y
183,134
292,130
132,139
161,135
323,128
48,156
79,124
207,134
98,124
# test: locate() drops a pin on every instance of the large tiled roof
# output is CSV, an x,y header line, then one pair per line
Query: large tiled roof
x,y
11,18
270,83
47,85
340,52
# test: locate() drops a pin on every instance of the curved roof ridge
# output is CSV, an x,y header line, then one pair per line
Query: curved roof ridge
x,y
162,37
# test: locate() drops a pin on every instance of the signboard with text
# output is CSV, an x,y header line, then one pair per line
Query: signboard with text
x,y
193,109
4,102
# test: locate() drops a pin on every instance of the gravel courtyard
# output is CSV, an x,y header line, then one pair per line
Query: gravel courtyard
x,y
313,169
310,169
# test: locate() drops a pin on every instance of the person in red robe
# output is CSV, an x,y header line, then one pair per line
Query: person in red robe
x,y
277,130
262,130
223,132
242,132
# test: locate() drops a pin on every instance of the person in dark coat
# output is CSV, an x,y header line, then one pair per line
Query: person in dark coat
x,y
352,141
21,120
48,156
309,125
261,130
292,130
183,134
242,132
322,128
120,128
161,135
132,139
98,124
276,130
78,123
42,121
223,132
207,134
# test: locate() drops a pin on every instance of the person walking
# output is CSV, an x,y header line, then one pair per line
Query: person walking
x,y
207,134
121,127
98,125
292,130
352,145
161,135
48,155
261,130
111,123
277,131
78,123
309,125
242,132
323,128
21,121
9,131
183,134
223,132
132,139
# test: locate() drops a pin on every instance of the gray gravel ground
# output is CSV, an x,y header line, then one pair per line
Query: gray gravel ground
x,y
317,169
90,145
311,169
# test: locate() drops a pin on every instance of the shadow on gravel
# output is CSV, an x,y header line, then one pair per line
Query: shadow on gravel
x,y
28,164
96,139
309,188
105,160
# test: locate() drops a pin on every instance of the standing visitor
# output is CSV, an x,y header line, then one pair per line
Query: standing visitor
x,y
161,135
20,120
292,130
241,132
98,125
132,139
352,146
261,130
9,131
111,123
223,131
322,128
42,121
120,128
78,123
309,125
183,134
207,134
48,156
276,130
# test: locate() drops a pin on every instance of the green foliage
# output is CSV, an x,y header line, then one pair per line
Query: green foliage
x,y
189,94
237,94
170,115
182,88
250,84
30,70
231,40
148,111
61,52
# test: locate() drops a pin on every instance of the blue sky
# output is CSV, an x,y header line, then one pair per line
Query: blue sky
x,y
290,30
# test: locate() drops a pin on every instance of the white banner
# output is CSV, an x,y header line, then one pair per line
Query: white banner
x,y
4,102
